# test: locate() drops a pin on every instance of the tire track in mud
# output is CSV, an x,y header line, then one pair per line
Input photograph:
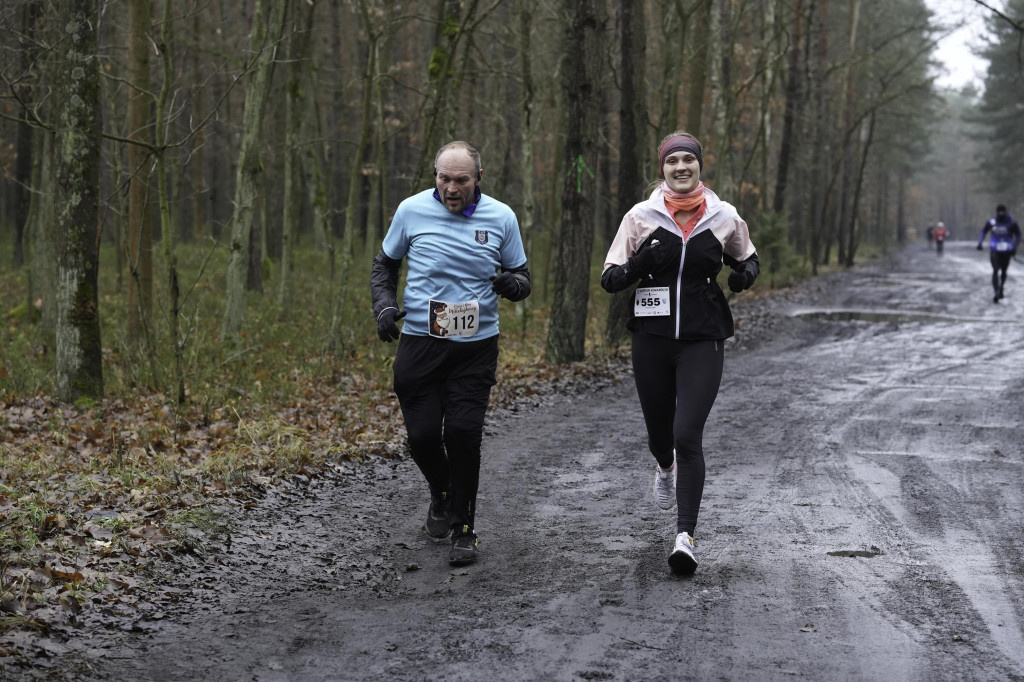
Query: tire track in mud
x,y
900,440
932,457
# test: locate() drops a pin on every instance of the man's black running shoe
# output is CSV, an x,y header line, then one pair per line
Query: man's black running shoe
x,y
464,546
437,516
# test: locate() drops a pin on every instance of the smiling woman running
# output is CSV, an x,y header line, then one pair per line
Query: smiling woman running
x,y
675,244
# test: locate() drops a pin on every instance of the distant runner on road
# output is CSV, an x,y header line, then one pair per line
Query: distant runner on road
x,y
939,233
674,245
455,239
1003,242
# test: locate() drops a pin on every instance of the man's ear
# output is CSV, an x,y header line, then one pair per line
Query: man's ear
x,y
480,175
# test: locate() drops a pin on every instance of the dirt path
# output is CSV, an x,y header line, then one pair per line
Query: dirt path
x,y
897,437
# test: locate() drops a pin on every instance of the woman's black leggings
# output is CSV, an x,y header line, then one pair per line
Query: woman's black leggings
x,y
678,382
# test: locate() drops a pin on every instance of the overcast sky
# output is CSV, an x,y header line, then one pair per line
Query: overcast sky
x,y
955,50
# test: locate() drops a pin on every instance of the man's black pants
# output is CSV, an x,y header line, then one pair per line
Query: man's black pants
x,y
444,386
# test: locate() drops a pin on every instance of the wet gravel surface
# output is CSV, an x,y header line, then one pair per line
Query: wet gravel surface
x,y
861,520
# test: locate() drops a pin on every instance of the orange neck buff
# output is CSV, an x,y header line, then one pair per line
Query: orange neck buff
x,y
688,201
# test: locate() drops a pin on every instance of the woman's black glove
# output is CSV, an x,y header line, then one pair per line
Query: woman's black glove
x,y
743,274
387,330
738,280
979,246
649,259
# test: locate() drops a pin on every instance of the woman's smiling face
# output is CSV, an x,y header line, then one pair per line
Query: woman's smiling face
x,y
682,171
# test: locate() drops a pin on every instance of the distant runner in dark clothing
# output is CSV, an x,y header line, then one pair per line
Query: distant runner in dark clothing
x,y
940,234
1003,242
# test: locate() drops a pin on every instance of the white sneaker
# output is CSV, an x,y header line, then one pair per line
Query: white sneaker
x,y
681,559
665,486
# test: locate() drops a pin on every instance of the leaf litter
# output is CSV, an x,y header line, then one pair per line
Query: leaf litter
x,y
98,506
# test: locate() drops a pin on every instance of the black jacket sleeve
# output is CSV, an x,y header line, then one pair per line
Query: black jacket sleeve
x,y
384,283
751,268
522,276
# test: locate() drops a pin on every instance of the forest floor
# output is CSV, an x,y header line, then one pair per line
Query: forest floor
x,y
860,521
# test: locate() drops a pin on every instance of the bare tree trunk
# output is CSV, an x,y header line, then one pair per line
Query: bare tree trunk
x,y
721,93
140,225
299,47
820,160
632,141
79,365
25,134
316,185
168,233
355,179
699,69
526,222
901,208
442,67
42,236
580,81
793,98
378,209
854,232
673,39
849,212
263,42
198,141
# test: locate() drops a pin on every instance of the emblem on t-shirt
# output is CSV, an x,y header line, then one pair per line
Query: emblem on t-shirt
x,y
481,236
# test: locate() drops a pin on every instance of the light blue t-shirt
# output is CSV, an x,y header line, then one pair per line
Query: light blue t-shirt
x,y
451,260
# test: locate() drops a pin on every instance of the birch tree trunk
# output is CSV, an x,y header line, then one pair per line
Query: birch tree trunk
x,y
79,364
580,81
263,41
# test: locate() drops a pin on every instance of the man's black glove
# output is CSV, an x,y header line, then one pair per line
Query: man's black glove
x,y
979,246
387,330
506,285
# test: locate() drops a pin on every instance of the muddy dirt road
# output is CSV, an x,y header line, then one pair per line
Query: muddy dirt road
x,y
861,520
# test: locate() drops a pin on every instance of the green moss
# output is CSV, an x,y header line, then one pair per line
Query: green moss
x,y
438,58
85,403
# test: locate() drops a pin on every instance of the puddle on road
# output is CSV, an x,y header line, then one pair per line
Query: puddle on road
x,y
868,553
855,315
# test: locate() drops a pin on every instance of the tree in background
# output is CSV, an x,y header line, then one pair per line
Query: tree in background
x,y
263,43
76,174
581,82
1001,105
634,149
140,219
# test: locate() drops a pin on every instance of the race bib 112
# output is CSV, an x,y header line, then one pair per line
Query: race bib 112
x,y
453,319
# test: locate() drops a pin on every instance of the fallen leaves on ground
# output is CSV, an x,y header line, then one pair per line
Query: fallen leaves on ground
x,y
95,503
